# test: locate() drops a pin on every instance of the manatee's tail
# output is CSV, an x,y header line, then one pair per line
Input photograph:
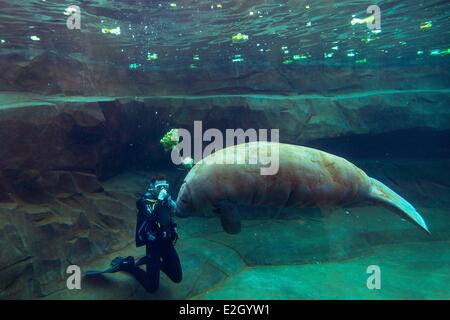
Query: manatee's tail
x,y
381,194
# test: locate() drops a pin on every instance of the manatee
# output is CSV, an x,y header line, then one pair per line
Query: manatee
x,y
306,177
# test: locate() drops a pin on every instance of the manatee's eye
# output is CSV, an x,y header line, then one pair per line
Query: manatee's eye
x,y
184,201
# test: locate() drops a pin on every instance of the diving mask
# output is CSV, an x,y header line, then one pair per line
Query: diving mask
x,y
161,184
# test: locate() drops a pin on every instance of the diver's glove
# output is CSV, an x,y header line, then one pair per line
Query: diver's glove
x,y
171,236
162,195
174,233
150,237
175,236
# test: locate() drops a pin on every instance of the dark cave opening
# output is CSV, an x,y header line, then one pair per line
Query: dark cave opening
x,y
412,143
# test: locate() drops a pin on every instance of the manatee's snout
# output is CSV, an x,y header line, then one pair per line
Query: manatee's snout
x,y
184,204
184,209
180,212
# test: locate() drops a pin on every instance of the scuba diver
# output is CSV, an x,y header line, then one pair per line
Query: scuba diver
x,y
158,232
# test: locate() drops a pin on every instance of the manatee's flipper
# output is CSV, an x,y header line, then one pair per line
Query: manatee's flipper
x,y
381,194
229,217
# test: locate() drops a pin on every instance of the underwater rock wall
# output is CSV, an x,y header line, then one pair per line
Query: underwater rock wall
x,y
50,73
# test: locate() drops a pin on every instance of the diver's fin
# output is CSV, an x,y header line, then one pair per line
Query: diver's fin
x,y
116,265
93,273
383,195
229,217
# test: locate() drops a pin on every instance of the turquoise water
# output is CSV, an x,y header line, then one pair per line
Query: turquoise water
x,y
83,112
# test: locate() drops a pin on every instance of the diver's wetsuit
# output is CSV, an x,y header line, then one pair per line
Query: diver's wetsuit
x,y
157,231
